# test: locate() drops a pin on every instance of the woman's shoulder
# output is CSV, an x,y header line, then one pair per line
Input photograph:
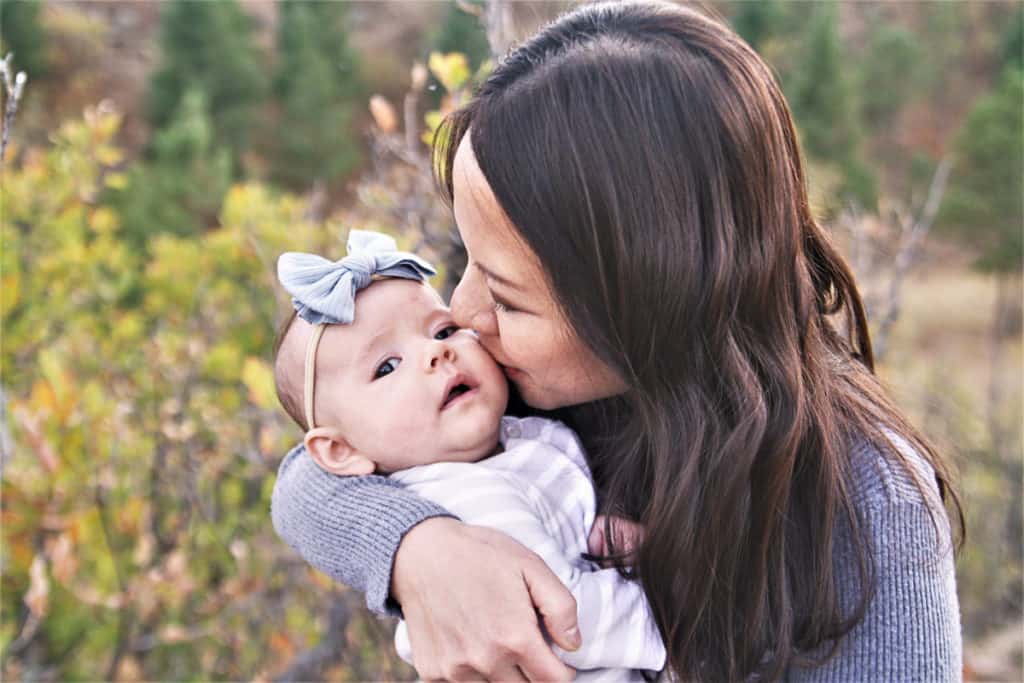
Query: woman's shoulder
x,y
890,473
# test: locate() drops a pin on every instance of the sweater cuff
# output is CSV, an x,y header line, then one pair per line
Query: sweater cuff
x,y
394,516
347,527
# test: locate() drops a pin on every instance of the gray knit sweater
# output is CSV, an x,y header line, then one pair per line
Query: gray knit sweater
x,y
350,529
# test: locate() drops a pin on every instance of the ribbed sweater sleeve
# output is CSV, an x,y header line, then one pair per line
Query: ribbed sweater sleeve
x,y
347,527
911,630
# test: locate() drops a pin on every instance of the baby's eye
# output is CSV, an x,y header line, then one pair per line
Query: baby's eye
x,y
387,367
446,332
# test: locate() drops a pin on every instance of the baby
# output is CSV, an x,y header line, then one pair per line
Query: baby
x,y
400,389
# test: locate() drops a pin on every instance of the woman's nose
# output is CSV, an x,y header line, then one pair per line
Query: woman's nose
x,y
472,306
439,352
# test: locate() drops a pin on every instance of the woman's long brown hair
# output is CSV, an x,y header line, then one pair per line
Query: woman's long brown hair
x,y
647,156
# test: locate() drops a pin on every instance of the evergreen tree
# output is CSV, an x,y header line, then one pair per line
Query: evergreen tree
x,y
823,104
181,189
1013,39
317,87
758,21
888,73
984,206
461,31
22,34
209,45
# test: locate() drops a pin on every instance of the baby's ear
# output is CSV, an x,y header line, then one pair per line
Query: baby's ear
x,y
334,454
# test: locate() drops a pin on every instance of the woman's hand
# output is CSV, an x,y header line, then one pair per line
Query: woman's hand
x,y
471,598
628,536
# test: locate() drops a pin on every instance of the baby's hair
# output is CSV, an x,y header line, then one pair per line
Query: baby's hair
x,y
285,383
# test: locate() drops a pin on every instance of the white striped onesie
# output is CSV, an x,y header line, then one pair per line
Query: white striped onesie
x,y
539,491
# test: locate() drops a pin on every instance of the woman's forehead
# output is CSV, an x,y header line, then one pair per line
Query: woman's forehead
x,y
486,231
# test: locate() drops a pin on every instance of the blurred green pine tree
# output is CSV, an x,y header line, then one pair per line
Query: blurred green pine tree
x,y
22,34
317,88
984,203
461,31
181,189
822,97
888,73
209,46
758,22
1013,40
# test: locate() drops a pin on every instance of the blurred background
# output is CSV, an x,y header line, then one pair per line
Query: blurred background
x,y
162,155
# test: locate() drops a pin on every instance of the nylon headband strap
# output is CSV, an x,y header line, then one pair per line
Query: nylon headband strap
x,y
310,374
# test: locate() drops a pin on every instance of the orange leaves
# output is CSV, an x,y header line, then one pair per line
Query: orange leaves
x,y
282,645
383,114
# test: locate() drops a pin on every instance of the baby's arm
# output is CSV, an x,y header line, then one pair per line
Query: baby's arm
x,y
616,624
347,527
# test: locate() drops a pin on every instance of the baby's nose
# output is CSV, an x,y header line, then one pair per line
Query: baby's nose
x,y
438,353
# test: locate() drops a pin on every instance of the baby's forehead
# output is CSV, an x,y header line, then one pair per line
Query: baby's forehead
x,y
385,300
384,308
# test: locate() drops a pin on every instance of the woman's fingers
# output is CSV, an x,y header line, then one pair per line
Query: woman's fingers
x,y
471,598
509,673
627,536
596,544
539,663
554,603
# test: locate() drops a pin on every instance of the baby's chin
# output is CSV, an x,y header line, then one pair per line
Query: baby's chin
x,y
473,453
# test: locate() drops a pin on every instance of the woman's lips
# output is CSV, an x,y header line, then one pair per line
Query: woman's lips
x,y
512,373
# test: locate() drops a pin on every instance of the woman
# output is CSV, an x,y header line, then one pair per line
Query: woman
x,y
642,256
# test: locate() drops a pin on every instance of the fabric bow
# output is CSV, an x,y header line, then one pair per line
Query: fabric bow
x,y
324,291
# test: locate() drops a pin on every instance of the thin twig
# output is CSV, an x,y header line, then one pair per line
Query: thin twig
x,y
14,86
908,252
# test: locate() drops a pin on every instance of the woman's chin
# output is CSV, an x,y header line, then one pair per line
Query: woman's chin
x,y
536,397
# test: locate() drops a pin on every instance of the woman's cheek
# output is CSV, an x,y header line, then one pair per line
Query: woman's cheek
x,y
522,343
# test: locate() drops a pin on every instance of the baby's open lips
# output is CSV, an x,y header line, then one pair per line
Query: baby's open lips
x,y
457,386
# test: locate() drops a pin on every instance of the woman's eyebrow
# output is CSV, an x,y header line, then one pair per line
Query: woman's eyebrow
x,y
508,284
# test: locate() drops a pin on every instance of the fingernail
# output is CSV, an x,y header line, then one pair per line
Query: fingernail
x,y
574,635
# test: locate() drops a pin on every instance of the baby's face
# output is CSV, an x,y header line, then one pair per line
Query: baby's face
x,y
404,384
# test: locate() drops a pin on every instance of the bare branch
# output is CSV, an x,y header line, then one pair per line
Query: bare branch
x,y
309,665
913,235
14,86
498,24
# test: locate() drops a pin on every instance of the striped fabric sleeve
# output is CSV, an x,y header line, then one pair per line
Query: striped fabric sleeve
x,y
616,625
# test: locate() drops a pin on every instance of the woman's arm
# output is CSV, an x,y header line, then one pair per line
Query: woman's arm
x,y
347,527
911,630
471,596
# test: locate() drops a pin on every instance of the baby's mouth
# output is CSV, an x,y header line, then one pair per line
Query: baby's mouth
x,y
457,386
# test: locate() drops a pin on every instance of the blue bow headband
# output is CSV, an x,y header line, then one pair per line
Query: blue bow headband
x,y
324,292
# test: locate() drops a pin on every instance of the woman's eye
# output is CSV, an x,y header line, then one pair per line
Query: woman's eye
x,y
502,308
387,367
446,332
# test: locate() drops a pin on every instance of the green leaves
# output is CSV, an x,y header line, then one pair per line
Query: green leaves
x,y
144,421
